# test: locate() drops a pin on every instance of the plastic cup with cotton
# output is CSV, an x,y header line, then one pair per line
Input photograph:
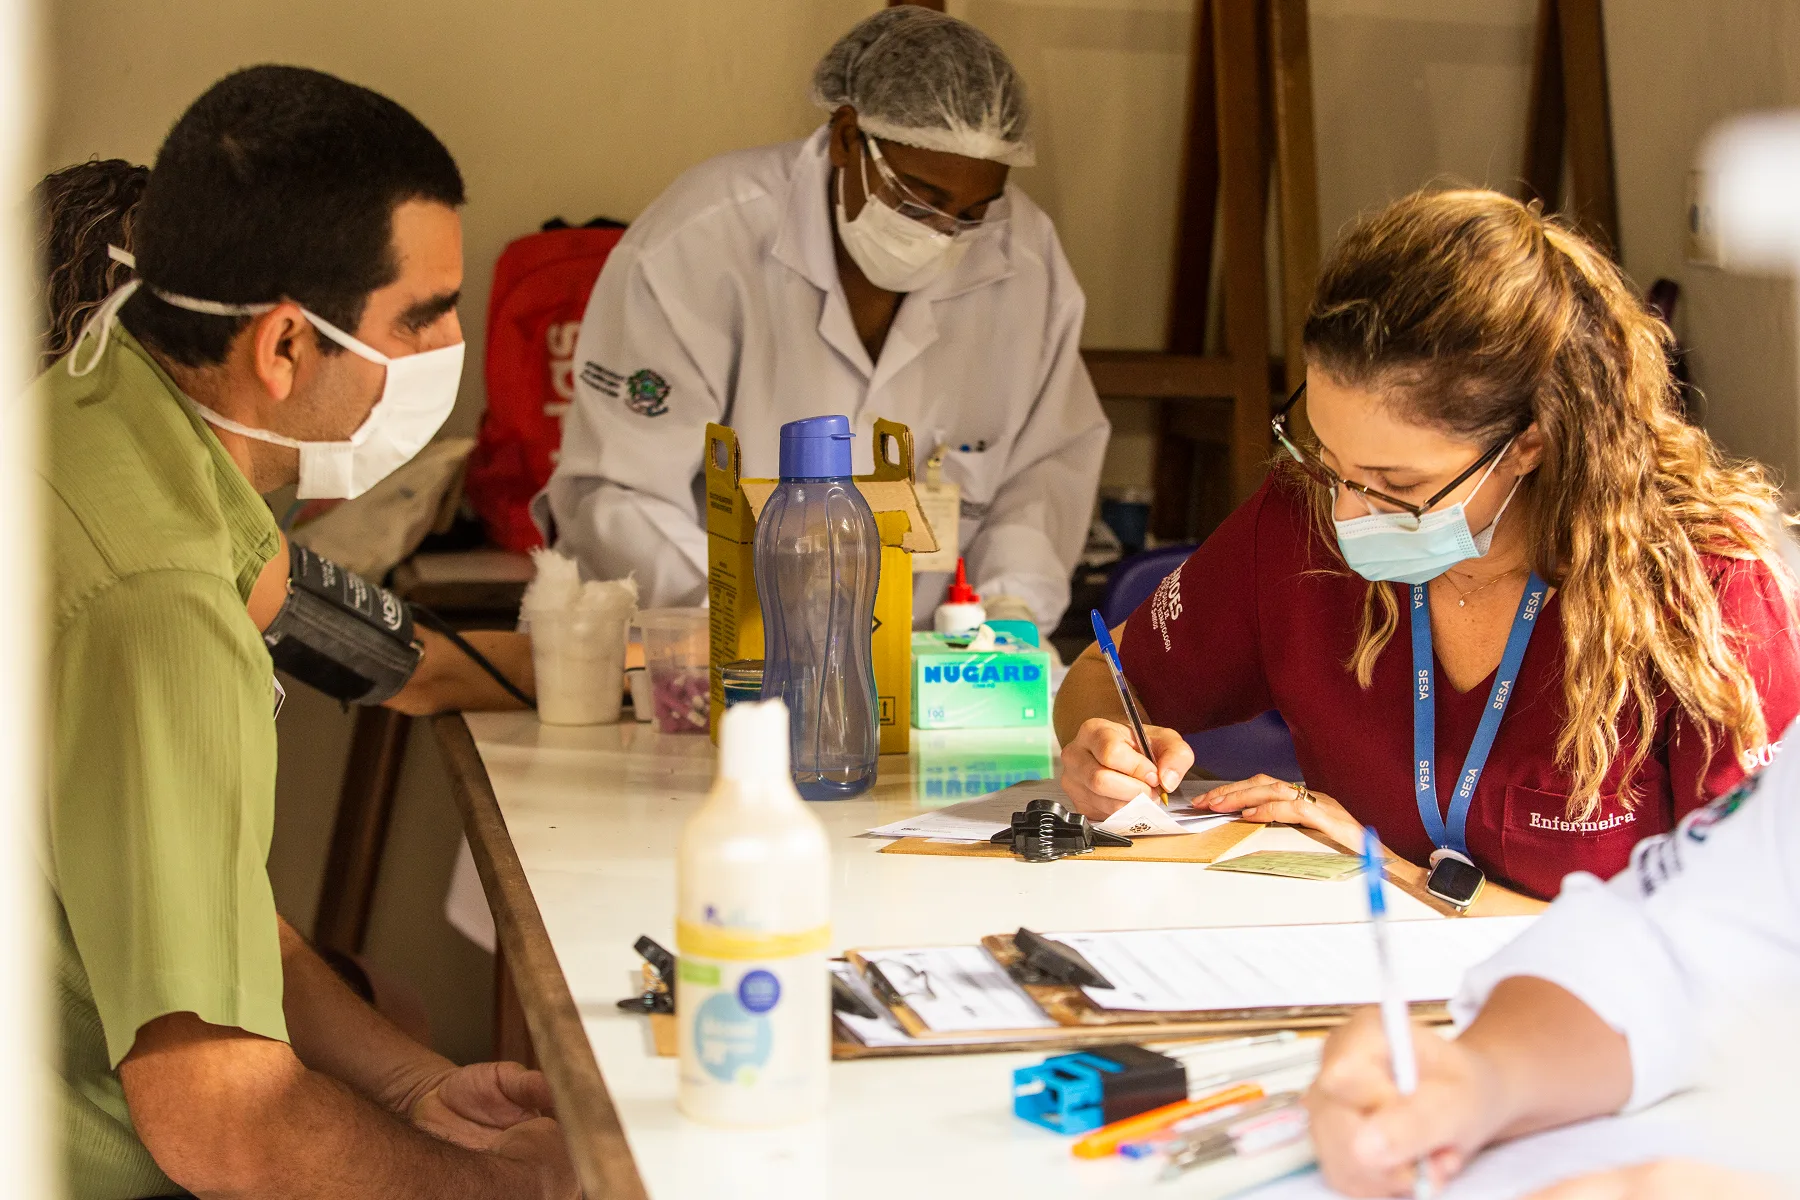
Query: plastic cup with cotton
x,y
577,642
580,661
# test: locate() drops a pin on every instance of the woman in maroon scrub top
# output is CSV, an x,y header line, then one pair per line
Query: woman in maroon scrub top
x,y
1512,606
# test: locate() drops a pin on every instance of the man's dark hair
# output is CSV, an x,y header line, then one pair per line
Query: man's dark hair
x,y
279,183
81,210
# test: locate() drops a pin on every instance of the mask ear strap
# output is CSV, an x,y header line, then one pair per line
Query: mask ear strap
x,y
1492,465
103,317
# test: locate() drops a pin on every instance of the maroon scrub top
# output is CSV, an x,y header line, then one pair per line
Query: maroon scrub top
x,y
1264,616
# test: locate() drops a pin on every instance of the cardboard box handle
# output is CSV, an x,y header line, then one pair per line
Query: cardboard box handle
x,y
893,451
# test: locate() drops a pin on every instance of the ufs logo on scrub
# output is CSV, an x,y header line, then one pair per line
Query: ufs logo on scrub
x,y
645,392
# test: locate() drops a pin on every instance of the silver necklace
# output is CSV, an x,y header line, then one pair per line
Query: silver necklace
x,y
1462,597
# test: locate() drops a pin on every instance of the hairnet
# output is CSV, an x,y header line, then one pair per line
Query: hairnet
x,y
922,78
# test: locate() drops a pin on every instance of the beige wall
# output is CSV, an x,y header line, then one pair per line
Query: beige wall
x,y
586,107
1678,68
571,108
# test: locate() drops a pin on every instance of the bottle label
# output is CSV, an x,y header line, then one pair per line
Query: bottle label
x,y
747,945
752,1021
731,1044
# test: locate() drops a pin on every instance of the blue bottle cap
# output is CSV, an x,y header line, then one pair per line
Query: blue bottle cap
x,y
816,448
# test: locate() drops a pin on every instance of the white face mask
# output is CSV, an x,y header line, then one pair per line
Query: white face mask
x,y
416,400
895,253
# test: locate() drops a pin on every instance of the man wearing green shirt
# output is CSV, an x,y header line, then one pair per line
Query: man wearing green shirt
x,y
300,258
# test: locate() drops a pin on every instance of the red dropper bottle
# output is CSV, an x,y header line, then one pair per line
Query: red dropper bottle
x,y
961,612
960,592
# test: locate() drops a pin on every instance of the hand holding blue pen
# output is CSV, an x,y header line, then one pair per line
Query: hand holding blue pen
x,y
1396,1023
1110,653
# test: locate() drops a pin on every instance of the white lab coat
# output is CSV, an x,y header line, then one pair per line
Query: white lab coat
x,y
1704,926
722,303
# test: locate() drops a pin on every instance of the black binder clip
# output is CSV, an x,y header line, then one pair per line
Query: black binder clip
x,y
1042,961
659,997
1047,831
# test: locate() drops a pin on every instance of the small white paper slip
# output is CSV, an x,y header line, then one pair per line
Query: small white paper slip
x,y
1145,817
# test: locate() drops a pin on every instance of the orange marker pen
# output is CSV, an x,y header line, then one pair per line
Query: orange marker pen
x,y
1108,1139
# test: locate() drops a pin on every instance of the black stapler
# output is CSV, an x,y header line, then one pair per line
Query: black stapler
x,y
1047,831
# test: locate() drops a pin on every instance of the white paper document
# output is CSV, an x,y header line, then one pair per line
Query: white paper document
x,y
980,819
957,989
1523,1167
1283,966
884,1029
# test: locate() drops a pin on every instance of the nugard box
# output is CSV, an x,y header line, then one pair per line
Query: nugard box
x,y
732,505
955,688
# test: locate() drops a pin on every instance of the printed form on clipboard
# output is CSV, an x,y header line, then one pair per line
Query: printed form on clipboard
x,y
1282,966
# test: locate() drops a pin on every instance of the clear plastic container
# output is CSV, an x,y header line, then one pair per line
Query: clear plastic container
x,y
818,558
677,655
579,658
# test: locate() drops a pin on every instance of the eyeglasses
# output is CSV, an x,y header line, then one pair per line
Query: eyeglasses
x,y
1316,468
907,204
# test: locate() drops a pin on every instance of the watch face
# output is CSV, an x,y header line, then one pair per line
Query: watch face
x,y
1455,881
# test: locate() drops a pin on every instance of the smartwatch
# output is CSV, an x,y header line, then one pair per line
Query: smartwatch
x,y
1454,879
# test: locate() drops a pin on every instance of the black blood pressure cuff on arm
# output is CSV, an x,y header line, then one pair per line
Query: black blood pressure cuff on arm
x,y
340,633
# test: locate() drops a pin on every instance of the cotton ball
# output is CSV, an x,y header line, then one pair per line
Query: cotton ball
x,y
556,587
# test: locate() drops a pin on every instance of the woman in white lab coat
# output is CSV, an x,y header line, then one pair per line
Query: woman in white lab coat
x,y
883,267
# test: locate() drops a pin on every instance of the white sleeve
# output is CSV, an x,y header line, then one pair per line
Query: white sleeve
x,y
626,495
1702,924
1033,530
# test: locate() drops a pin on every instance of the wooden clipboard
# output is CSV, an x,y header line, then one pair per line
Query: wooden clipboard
x,y
1202,847
1079,1022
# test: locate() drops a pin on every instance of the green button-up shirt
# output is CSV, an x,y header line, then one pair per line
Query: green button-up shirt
x,y
161,770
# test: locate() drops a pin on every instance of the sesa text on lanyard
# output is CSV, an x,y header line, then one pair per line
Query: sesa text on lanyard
x,y
1449,835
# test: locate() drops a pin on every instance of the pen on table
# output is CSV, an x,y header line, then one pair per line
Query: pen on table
x,y
1102,1142
1240,1086
1110,653
1395,1022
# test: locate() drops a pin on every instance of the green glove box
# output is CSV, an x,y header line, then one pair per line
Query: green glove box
x,y
957,688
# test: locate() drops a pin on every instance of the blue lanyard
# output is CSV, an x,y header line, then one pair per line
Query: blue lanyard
x,y
1425,715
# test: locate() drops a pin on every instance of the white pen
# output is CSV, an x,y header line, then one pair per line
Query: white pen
x,y
1395,1021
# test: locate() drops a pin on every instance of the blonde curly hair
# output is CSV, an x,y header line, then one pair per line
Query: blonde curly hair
x,y
1477,315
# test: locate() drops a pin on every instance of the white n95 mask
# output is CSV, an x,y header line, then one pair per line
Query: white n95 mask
x,y
895,253
416,399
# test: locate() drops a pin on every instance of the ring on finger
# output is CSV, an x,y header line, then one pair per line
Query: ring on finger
x,y
1301,794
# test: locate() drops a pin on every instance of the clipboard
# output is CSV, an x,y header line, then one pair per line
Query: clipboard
x,y
1203,847
1078,1022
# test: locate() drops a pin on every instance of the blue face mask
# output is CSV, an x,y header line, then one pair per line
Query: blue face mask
x,y
1402,548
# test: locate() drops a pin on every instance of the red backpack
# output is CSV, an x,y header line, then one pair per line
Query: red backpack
x,y
541,288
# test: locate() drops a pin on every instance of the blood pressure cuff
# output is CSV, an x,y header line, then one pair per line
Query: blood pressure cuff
x,y
340,633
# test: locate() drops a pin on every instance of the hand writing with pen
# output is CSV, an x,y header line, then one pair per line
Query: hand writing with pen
x,y
1103,771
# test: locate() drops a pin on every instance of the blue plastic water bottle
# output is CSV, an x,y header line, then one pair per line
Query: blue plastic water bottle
x,y
818,556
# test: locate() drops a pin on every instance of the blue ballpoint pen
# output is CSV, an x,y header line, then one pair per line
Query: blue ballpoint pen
x,y
1110,652
1395,1021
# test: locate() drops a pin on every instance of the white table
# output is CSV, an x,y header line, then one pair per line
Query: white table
x,y
592,816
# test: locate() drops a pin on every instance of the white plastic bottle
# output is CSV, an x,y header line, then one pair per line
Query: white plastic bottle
x,y
961,613
752,993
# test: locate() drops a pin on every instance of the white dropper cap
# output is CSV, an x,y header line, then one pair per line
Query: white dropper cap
x,y
753,742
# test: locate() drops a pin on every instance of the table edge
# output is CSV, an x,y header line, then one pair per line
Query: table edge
x,y
590,1122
